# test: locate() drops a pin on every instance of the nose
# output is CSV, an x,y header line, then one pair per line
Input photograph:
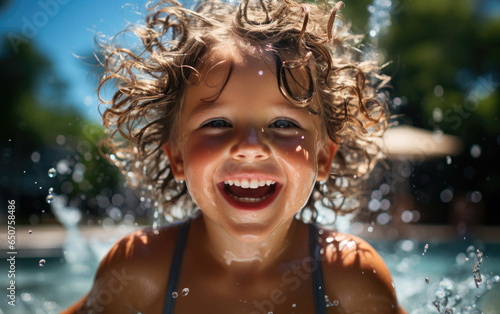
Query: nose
x,y
250,145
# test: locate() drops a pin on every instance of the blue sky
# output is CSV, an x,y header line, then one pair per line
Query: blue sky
x,y
61,29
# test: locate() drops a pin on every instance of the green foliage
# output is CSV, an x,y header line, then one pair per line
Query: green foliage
x,y
434,43
30,122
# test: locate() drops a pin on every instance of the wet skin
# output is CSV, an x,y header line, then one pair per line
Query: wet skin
x,y
242,256
250,132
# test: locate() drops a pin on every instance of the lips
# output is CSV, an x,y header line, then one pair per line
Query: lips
x,y
249,194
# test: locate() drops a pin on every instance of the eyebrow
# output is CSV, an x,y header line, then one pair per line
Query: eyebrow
x,y
203,106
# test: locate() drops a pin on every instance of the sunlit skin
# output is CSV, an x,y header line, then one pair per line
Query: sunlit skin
x,y
243,257
251,131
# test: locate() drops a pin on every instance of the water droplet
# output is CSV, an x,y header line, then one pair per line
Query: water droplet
x,y
406,216
51,190
35,157
438,90
336,302
49,198
175,295
261,72
448,160
426,280
294,305
426,247
437,114
446,195
476,269
41,263
475,151
52,172
30,232
185,292
476,197
370,229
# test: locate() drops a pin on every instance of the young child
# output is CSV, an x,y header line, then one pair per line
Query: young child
x,y
246,119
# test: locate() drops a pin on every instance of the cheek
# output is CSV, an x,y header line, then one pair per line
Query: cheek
x,y
201,160
299,160
299,154
202,151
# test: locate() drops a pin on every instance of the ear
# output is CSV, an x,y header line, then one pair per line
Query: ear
x,y
325,157
175,159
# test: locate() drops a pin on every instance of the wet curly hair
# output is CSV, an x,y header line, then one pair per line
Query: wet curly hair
x,y
150,79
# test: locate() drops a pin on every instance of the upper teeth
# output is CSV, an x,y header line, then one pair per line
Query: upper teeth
x,y
252,184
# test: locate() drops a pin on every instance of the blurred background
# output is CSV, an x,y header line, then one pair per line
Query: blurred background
x,y
444,61
440,182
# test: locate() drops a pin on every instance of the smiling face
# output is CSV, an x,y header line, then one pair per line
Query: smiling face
x,y
250,158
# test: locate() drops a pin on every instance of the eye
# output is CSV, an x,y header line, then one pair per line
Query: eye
x,y
216,123
283,124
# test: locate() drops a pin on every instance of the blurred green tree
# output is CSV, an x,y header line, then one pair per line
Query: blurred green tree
x,y
38,129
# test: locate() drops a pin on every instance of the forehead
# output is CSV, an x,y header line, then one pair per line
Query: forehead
x,y
229,80
223,64
224,73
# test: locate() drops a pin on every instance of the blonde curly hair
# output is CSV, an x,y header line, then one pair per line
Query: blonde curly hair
x,y
151,80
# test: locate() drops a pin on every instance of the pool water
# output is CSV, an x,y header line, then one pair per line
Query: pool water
x,y
451,285
442,277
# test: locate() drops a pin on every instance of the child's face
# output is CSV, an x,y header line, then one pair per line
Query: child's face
x,y
250,136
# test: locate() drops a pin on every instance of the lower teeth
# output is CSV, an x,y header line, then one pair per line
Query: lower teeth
x,y
248,199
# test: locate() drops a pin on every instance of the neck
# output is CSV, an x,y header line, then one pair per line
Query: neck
x,y
256,255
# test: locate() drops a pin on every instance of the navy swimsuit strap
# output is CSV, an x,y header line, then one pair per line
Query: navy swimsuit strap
x,y
317,273
175,267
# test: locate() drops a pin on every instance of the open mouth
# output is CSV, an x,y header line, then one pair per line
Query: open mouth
x,y
252,193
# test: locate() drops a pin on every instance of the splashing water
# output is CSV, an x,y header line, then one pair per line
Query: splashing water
x,y
476,269
444,295
52,172
49,199
426,247
457,291
331,304
76,250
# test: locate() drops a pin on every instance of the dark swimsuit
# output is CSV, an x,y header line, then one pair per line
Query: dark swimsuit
x,y
175,269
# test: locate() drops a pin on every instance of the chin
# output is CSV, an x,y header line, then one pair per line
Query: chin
x,y
251,232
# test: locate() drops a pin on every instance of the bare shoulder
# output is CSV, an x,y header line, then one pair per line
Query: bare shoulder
x,y
132,276
356,276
